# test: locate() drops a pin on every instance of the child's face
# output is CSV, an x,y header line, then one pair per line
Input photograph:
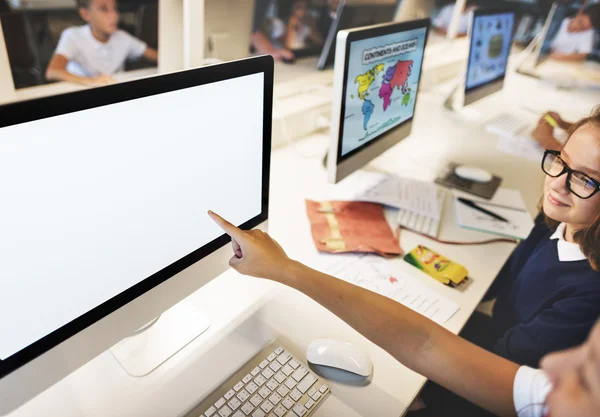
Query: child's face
x,y
575,376
579,23
300,9
581,153
102,15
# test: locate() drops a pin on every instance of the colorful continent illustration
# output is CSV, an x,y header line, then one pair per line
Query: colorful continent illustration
x,y
395,77
365,80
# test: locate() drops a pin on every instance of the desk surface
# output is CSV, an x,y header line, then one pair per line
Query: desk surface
x,y
246,312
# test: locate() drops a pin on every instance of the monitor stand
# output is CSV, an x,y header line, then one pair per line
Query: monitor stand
x,y
154,343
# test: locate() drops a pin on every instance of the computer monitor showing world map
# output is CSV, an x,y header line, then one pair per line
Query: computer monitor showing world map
x,y
377,74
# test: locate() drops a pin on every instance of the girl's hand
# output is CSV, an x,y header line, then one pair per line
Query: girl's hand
x,y
255,253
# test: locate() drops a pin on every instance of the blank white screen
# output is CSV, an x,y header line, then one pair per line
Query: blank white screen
x,y
94,202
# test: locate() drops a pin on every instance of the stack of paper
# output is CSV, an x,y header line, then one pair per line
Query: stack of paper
x,y
385,278
507,203
405,193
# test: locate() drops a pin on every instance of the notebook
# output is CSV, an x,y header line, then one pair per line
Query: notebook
x,y
507,203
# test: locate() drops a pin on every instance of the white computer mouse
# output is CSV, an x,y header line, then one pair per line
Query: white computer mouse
x,y
340,355
471,173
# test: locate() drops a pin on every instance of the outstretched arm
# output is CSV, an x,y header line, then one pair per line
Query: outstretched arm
x,y
412,339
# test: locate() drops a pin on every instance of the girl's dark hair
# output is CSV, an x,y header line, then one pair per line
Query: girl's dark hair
x,y
593,12
588,238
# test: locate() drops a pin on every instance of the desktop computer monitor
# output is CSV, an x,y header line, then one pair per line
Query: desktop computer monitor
x,y
351,14
104,219
491,33
376,83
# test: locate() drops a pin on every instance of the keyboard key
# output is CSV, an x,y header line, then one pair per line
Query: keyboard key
x,y
258,413
280,411
234,404
263,364
267,406
247,379
306,383
288,403
256,400
290,383
267,373
243,395
323,389
300,410
312,392
260,380
287,370
225,411
283,391
255,371
275,366
229,394
220,403
238,414
283,358
317,396
278,350
300,373
251,388
247,408
280,377
238,386
272,384
295,395
211,411
275,398
294,364
272,357
264,392
309,404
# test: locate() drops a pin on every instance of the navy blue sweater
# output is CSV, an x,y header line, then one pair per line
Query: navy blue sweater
x,y
542,304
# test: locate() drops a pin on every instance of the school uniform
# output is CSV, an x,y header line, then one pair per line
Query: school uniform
x,y
548,298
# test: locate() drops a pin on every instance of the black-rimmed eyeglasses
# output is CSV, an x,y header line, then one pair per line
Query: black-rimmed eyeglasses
x,y
580,184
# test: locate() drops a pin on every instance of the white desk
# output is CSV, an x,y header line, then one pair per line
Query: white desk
x,y
246,312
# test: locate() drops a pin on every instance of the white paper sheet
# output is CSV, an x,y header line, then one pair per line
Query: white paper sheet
x,y
405,193
381,276
507,202
521,146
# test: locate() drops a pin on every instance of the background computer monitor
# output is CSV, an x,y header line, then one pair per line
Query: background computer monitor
x,y
104,223
352,14
376,82
491,33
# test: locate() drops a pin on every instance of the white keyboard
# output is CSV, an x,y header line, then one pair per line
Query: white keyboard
x,y
419,223
507,125
272,384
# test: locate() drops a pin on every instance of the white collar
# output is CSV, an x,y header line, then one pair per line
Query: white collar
x,y
567,251
97,44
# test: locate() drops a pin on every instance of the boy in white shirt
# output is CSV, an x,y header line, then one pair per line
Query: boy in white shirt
x,y
90,54
575,38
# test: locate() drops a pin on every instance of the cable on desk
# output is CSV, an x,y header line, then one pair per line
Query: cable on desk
x,y
451,242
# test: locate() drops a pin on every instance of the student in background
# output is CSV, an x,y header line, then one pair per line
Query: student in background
x,y
442,21
302,30
269,29
575,38
568,384
92,53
